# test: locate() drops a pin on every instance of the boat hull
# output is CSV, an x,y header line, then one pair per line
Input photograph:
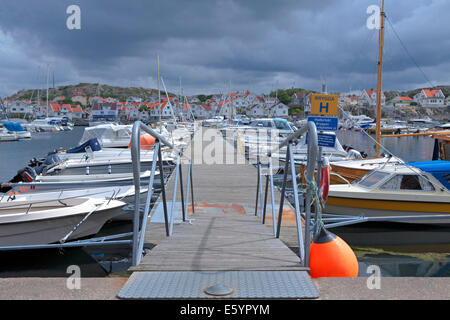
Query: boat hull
x,y
53,229
384,208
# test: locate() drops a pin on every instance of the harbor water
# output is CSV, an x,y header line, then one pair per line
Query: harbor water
x,y
399,250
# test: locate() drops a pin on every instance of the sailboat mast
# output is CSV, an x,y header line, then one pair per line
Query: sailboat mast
x,y
159,92
48,67
380,72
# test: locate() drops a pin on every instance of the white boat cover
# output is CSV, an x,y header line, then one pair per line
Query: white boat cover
x,y
108,135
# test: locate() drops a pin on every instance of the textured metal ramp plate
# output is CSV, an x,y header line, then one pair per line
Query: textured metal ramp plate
x,y
244,285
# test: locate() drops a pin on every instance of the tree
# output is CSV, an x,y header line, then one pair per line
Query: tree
x,y
282,96
202,98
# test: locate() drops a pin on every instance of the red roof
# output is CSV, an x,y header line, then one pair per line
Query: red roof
x,y
55,107
66,106
79,92
77,109
404,98
431,93
370,92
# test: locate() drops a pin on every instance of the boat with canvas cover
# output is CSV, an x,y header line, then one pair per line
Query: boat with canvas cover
x,y
413,189
50,221
6,135
17,129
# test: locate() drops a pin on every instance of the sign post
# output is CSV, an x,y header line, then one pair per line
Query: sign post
x,y
324,108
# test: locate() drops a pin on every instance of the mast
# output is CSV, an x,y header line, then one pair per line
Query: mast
x,y
48,67
380,72
159,92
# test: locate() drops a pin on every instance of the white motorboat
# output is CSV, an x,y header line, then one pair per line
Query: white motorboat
x,y
6,135
413,189
50,221
109,135
17,129
42,183
44,125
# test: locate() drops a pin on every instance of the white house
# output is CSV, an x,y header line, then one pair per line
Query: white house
x,y
278,110
430,98
20,107
368,98
105,110
256,111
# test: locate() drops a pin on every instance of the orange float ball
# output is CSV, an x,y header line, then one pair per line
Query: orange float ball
x,y
147,142
330,256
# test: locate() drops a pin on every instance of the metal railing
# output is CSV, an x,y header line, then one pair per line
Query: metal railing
x,y
314,160
160,141
314,155
138,234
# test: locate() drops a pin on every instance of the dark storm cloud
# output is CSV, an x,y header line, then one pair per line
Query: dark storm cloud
x,y
253,44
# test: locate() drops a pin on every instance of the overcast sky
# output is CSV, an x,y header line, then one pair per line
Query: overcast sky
x,y
257,45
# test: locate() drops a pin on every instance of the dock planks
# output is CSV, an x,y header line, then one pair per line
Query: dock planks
x,y
223,234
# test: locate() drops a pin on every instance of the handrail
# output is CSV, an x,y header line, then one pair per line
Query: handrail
x,y
313,158
139,235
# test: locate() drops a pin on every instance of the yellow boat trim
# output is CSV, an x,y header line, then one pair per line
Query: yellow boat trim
x,y
414,206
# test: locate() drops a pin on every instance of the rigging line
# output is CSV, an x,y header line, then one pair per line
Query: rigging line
x,y
408,53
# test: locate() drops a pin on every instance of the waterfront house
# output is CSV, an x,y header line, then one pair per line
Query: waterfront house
x,y
80,97
430,98
298,99
368,98
105,110
24,107
401,101
256,111
277,110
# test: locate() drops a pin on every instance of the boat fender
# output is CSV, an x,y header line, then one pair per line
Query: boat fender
x,y
330,256
325,179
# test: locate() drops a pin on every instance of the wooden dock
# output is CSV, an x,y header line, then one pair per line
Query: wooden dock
x,y
223,234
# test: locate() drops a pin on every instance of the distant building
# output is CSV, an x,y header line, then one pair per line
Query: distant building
x,y
256,111
368,98
277,110
430,98
105,110
401,101
298,98
80,97
19,107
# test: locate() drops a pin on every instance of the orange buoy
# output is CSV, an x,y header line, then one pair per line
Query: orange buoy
x,y
330,256
147,142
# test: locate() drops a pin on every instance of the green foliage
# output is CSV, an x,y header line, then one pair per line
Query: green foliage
x,y
282,96
294,110
201,97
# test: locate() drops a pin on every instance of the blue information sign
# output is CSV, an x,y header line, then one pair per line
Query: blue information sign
x,y
325,123
325,140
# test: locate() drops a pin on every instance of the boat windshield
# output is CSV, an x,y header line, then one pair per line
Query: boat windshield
x,y
372,179
261,123
281,125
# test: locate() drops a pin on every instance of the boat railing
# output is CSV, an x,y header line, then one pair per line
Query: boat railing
x,y
160,141
314,157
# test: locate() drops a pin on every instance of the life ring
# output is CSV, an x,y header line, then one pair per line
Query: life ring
x,y
325,179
